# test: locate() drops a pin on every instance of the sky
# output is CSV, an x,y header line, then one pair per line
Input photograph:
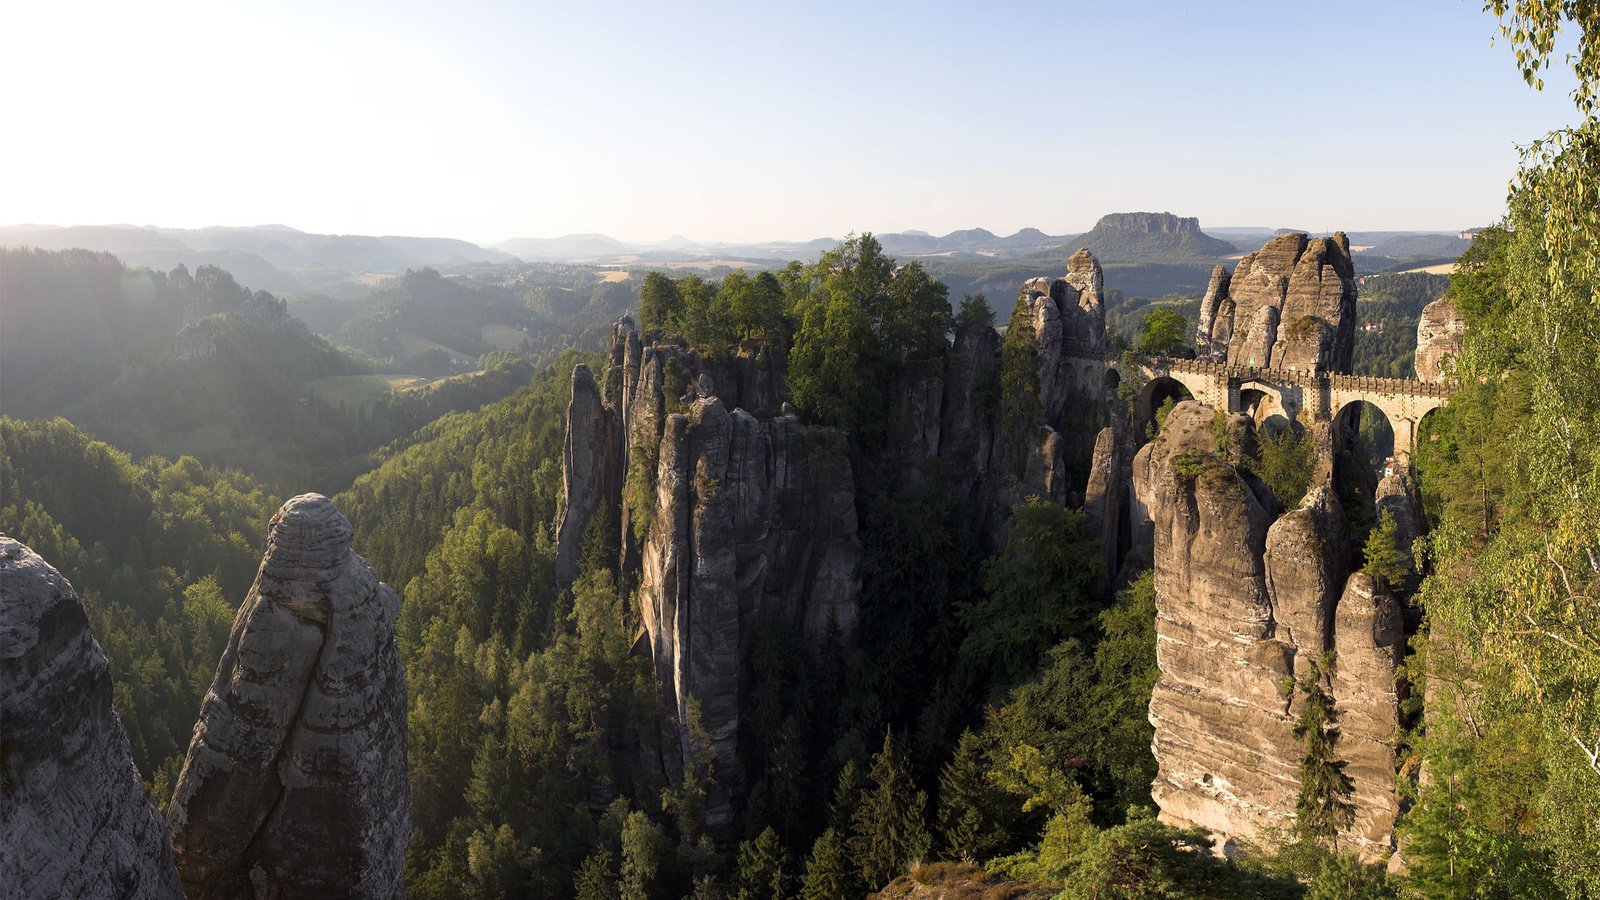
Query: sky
x,y
759,121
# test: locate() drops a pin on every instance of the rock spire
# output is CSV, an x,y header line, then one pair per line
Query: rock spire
x,y
295,782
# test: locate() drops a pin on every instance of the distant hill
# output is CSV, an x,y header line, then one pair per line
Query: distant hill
x,y
1151,237
165,362
266,257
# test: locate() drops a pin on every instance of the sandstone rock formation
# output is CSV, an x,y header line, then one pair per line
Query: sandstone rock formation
x,y
1104,501
1439,332
1245,605
590,466
732,519
74,819
295,782
1290,304
1067,315
1369,641
967,419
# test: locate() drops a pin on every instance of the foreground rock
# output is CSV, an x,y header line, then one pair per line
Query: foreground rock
x,y
295,782
74,819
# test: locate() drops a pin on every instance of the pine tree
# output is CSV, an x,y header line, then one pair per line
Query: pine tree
x,y
828,871
966,804
762,869
846,797
1385,560
890,832
597,877
1323,808
644,848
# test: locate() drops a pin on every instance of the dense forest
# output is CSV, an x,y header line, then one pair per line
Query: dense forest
x,y
986,731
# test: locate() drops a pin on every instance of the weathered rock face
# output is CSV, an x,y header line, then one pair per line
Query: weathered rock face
x,y
74,819
1307,556
971,401
1205,336
590,470
1245,606
1369,639
754,519
1439,332
1223,737
1290,304
1068,319
1104,500
732,519
295,782
1397,495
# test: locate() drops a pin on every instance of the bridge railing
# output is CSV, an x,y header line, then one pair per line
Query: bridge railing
x,y
1362,383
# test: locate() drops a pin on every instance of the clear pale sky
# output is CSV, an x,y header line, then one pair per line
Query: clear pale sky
x,y
735,121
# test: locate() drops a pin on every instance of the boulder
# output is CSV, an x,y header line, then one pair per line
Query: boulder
x,y
75,820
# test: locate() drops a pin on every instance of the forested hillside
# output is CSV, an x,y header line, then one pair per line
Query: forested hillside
x,y
160,551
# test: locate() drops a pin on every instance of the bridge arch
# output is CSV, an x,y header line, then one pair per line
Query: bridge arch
x,y
1267,407
1366,429
1155,392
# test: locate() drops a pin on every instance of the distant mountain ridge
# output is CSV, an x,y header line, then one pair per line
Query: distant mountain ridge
x,y
288,261
265,257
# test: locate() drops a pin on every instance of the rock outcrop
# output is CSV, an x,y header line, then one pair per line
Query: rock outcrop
x,y
733,519
74,818
591,465
1223,740
1067,315
1369,644
1245,605
1104,501
1289,305
1439,333
295,782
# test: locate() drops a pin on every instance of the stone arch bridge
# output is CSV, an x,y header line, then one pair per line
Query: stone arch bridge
x,y
1266,393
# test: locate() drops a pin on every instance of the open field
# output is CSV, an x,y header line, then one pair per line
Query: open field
x,y
1440,269
411,345
613,276
502,337
360,390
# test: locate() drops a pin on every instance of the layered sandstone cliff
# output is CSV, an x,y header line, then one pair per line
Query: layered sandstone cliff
x,y
74,819
1246,604
1289,305
1439,332
734,514
1067,315
295,782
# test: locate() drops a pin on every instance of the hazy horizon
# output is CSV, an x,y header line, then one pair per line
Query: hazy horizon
x,y
493,121
697,240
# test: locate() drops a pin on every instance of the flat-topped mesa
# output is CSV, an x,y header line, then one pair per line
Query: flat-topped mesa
x,y
74,819
1245,604
731,515
295,782
1289,305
